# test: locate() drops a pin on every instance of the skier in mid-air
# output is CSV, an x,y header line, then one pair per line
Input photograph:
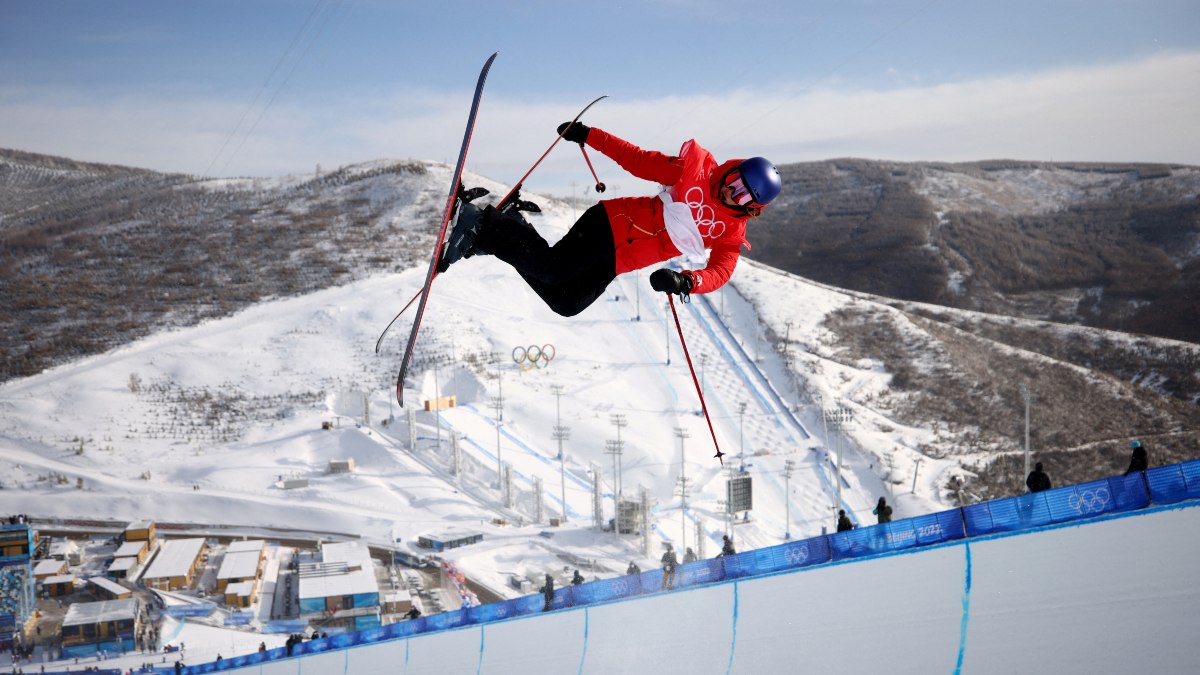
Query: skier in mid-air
x,y
703,208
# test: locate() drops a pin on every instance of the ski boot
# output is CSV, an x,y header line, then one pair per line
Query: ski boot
x,y
461,241
512,210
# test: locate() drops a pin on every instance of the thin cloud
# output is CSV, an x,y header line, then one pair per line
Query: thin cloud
x,y
1137,111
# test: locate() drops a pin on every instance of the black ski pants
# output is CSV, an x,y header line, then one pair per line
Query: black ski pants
x,y
569,275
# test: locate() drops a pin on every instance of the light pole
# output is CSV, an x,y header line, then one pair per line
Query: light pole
x,y
618,420
437,404
561,434
788,466
667,328
497,404
682,435
838,418
1028,402
741,436
637,294
614,449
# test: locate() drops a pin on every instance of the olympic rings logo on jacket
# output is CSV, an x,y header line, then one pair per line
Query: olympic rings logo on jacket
x,y
703,214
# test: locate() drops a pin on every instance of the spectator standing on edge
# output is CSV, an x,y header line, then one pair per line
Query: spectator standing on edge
x,y
883,511
669,562
1138,460
1037,481
689,556
726,547
548,591
843,523
577,579
633,568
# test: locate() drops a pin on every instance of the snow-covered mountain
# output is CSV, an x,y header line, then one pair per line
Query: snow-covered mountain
x,y
206,417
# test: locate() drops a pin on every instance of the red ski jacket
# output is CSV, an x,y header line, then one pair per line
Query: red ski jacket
x,y
641,235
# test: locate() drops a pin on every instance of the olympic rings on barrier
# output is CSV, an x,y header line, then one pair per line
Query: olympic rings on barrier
x,y
533,356
1089,501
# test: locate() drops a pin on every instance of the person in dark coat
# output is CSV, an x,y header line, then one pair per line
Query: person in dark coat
x,y
633,568
1138,459
726,547
548,591
883,511
1037,481
577,579
843,523
669,563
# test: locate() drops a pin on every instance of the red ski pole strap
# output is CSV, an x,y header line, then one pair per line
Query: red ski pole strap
x,y
695,380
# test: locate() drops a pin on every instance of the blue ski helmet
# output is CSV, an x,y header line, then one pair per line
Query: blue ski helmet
x,y
761,179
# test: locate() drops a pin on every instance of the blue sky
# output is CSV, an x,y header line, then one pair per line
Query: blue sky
x,y
265,87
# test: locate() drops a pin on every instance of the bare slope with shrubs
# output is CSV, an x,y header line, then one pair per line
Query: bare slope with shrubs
x,y
95,256
1092,390
1113,246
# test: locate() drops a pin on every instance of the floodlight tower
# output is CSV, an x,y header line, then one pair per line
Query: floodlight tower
x,y
561,434
682,483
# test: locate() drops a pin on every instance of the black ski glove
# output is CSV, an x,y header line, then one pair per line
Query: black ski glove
x,y
578,132
670,281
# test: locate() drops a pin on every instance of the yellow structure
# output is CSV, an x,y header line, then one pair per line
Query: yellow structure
x,y
176,564
241,594
441,403
243,561
98,622
142,530
58,586
49,568
108,589
137,548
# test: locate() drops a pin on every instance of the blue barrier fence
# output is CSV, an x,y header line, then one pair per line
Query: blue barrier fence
x,y
1109,495
1161,485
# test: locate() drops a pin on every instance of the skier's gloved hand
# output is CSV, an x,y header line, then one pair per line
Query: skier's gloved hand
x,y
670,281
578,132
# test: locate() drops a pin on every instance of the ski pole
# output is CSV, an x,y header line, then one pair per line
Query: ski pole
x,y
695,380
600,187
517,186
389,326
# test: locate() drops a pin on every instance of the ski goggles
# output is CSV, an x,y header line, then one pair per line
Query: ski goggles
x,y
739,192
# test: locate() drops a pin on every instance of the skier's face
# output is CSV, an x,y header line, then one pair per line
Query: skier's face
x,y
728,197
726,193
734,194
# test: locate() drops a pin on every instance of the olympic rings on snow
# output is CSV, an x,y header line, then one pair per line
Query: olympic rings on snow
x,y
533,356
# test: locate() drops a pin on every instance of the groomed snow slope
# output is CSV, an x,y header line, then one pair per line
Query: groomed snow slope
x,y
1110,595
